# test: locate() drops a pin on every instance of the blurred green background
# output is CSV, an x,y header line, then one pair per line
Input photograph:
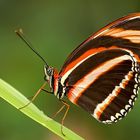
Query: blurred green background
x,y
55,28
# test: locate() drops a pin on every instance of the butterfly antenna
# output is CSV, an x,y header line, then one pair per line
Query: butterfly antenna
x,y
19,32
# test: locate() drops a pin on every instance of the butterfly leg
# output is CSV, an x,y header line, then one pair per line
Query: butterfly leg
x,y
42,90
47,91
58,111
65,114
67,109
34,97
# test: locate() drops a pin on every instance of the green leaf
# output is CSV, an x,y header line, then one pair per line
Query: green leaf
x,y
15,98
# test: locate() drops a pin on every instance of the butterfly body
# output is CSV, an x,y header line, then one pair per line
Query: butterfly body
x,y
102,75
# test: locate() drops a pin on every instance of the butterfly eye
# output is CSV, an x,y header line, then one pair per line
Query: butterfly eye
x,y
49,71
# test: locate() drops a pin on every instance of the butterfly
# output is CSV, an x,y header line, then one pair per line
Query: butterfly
x,y
102,75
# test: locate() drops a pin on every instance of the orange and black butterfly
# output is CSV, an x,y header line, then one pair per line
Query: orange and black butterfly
x,y
102,75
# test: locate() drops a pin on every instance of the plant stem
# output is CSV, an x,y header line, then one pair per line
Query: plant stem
x,y
15,98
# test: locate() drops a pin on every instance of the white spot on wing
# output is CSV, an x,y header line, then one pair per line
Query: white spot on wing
x,y
112,118
118,115
122,111
127,107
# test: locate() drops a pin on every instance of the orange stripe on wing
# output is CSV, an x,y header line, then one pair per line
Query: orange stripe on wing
x,y
102,108
86,55
132,35
110,27
82,57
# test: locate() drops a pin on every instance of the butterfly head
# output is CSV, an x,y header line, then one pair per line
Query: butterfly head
x,y
49,72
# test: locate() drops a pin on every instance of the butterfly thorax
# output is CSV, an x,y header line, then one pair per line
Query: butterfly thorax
x,y
53,78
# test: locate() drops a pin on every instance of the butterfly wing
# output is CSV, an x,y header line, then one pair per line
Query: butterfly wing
x,y
102,74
